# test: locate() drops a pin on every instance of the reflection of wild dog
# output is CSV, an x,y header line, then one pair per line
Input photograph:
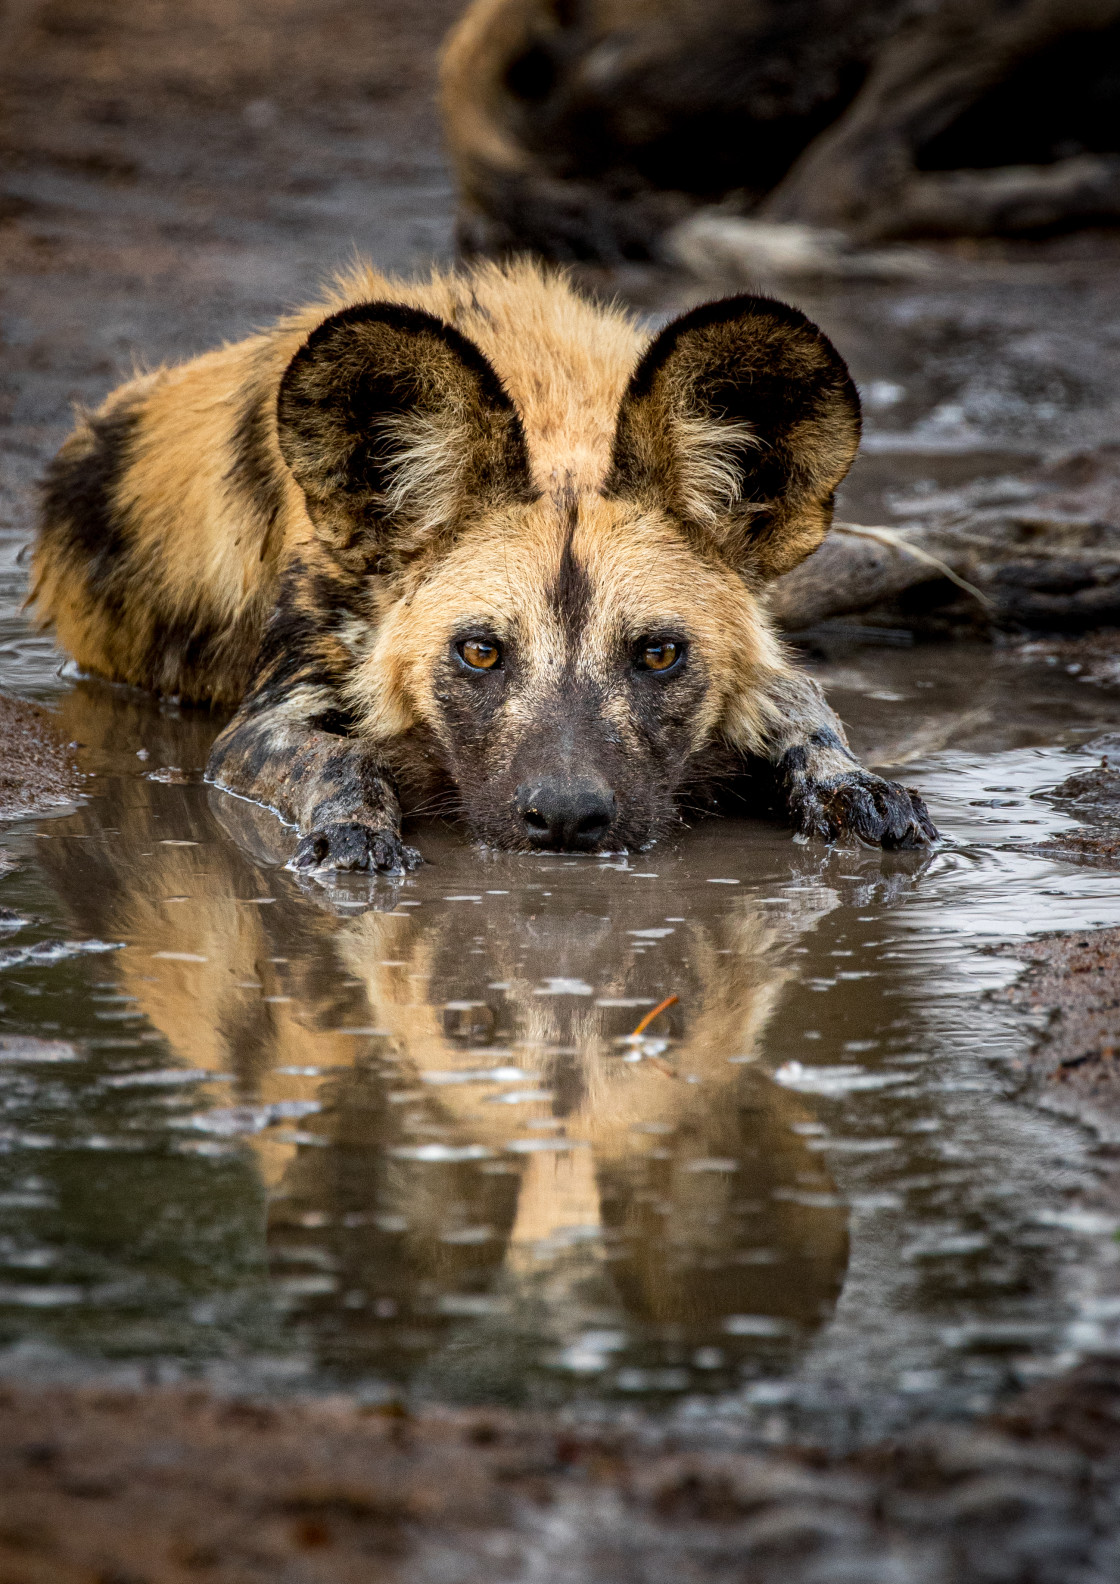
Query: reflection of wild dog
x,y
684,1174
678,1164
470,535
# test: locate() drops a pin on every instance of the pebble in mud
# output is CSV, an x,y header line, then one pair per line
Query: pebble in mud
x,y
1099,787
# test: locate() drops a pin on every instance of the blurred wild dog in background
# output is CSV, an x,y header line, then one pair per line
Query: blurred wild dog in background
x,y
587,129
475,540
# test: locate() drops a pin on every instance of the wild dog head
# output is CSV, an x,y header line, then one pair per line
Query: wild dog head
x,y
568,647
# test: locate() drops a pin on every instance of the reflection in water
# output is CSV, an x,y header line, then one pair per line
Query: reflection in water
x,y
509,1151
473,1169
402,1134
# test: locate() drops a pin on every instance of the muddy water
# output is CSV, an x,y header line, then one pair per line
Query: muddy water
x,y
402,1135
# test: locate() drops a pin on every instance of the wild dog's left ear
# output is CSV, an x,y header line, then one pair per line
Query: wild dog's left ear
x,y
741,419
394,425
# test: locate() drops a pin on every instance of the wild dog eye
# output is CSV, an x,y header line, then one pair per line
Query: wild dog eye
x,y
479,654
660,654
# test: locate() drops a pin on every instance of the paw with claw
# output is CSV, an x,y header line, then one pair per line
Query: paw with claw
x,y
861,805
354,847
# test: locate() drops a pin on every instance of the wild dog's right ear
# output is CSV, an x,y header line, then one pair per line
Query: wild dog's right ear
x,y
393,424
740,420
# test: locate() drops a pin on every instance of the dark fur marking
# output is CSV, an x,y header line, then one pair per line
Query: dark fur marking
x,y
407,321
334,597
189,651
340,722
570,592
287,640
663,708
824,737
471,704
375,362
254,472
80,508
80,513
721,312
749,360
289,650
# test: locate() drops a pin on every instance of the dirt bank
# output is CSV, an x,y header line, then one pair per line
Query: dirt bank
x,y
161,1487
37,769
1073,988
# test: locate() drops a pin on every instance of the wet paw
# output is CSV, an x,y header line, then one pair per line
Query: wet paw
x,y
355,847
857,803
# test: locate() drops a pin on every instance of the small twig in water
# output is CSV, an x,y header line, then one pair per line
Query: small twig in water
x,y
654,1012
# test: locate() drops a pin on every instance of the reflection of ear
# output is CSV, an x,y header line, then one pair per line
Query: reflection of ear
x,y
740,420
393,423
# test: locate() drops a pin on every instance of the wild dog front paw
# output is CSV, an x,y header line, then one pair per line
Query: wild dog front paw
x,y
355,847
857,803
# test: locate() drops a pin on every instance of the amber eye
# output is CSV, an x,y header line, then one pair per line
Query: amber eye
x,y
660,654
480,654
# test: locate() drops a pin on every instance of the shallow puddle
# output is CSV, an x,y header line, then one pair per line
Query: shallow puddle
x,y
403,1135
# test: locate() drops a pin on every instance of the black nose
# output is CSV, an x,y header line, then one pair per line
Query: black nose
x,y
567,815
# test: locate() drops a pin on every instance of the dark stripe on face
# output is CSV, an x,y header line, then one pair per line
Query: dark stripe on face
x,y
570,592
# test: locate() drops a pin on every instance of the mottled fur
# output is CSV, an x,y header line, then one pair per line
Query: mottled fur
x,y
311,523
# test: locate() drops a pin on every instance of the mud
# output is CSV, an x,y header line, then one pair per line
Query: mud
x,y
1073,983
37,767
1094,795
165,1488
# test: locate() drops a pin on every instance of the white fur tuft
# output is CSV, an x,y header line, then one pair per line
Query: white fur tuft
x,y
430,455
708,478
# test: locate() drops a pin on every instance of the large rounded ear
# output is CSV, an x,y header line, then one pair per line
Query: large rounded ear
x,y
395,426
740,420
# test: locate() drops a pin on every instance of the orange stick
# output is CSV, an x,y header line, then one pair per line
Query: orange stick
x,y
654,1012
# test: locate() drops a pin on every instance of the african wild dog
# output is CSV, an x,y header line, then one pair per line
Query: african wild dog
x,y
473,535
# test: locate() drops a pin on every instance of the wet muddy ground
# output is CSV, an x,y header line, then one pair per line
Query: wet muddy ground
x,y
38,770
172,1487
399,1140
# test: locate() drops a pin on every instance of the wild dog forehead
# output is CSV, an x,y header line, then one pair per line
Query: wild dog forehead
x,y
575,581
